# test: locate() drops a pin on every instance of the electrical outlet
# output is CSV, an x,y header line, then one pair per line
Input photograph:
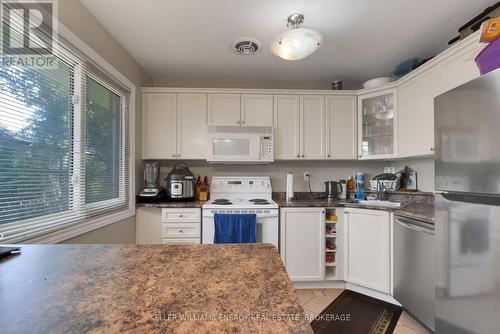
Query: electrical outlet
x,y
390,170
307,175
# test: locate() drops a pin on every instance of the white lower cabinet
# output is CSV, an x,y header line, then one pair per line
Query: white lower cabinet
x,y
148,226
181,226
302,242
368,248
168,226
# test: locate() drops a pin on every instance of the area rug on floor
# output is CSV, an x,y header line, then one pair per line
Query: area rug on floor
x,y
354,313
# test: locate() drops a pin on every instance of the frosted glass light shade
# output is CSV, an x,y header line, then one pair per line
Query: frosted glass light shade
x,y
297,43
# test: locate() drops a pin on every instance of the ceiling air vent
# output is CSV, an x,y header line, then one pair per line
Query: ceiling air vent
x,y
246,46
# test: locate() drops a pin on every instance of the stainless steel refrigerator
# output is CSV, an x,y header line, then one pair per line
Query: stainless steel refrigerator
x,y
467,171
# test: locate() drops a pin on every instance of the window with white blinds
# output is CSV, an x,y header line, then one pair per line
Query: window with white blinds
x,y
64,147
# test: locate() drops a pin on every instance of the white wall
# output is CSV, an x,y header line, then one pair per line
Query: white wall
x,y
320,171
82,23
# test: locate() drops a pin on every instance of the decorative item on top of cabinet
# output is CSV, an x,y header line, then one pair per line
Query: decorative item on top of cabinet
x,y
367,241
377,125
174,126
302,243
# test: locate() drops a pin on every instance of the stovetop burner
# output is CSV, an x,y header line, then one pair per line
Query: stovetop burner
x,y
222,201
261,203
259,200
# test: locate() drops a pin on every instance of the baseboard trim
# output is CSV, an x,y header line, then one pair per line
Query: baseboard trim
x,y
319,285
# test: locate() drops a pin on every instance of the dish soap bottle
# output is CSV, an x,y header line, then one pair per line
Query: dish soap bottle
x,y
360,186
350,187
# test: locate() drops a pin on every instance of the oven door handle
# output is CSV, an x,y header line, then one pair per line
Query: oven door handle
x,y
259,215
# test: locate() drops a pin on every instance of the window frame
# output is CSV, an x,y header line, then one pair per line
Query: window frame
x,y
122,188
53,228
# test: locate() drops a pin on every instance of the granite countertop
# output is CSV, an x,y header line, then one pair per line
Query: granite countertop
x,y
189,204
420,211
148,289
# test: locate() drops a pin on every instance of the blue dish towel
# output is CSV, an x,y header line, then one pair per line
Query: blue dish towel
x,y
235,228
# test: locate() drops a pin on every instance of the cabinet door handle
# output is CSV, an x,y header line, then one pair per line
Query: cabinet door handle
x,y
433,149
298,155
302,155
180,216
361,155
181,231
238,122
174,155
328,155
243,122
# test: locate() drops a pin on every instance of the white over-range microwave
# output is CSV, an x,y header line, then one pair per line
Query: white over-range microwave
x,y
240,144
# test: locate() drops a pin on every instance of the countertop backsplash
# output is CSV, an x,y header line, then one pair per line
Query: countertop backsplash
x,y
320,171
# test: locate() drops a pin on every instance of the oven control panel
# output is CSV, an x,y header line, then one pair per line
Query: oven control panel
x,y
266,148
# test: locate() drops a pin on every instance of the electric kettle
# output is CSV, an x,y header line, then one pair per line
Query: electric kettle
x,y
333,189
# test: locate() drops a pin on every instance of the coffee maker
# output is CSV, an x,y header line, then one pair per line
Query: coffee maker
x,y
152,191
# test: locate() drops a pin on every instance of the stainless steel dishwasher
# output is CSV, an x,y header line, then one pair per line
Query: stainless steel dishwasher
x,y
414,268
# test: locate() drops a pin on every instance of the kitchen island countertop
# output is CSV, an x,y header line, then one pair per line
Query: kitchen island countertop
x,y
148,289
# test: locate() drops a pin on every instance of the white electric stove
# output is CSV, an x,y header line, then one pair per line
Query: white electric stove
x,y
242,195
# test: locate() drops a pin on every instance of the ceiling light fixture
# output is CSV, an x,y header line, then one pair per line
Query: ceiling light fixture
x,y
296,43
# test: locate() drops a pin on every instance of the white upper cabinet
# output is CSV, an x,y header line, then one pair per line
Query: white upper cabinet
x,y
416,114
416,99
256,110
159,126
377,125
287,125
367,238
342,125
302,243
312,132
174,126
224,109
460,67
192,126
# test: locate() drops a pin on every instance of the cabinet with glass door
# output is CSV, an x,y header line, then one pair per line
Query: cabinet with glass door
x,y
377,125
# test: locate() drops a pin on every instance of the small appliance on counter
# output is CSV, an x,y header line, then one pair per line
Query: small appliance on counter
x,y
152,192
180,183
333,189
343,193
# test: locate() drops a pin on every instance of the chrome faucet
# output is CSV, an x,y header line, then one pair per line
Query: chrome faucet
x,y
381,191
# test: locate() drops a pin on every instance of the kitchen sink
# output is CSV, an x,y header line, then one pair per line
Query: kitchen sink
x,y
387,204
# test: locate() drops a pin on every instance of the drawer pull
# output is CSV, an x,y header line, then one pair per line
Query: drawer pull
x,y
180,216
181,231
